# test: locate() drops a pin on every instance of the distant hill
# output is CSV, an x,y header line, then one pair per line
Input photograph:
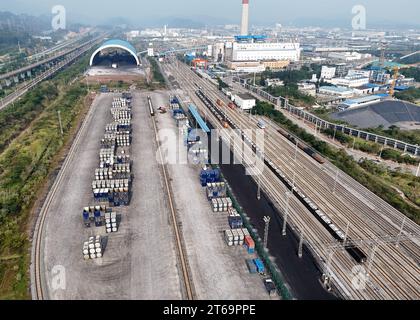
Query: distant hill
x,y
20,28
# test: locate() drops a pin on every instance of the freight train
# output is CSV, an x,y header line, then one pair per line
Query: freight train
x,y
302,146
338,234
322,217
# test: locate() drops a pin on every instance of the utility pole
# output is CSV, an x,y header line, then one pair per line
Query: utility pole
x,y
418,171
346,235
300,251
286,214
259,187
267,226
371,258
335,133
400,234
354,142
382,150
335,182
255,74
59,121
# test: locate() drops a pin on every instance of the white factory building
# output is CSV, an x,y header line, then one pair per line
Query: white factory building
x,y
260,51
350,81
244,101
348,56
328,72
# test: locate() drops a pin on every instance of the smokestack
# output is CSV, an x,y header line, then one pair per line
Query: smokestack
x,y
245,17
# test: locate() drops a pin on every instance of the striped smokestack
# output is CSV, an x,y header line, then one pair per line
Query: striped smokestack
x,y
245,17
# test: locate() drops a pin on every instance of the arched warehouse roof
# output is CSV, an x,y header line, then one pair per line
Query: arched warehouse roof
x,y
120,44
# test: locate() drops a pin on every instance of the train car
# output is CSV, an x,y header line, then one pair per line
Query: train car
x,y
357,254
316,156
151,110
261,124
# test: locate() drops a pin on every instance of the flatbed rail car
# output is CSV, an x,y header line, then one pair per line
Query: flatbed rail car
x,y
316,156
151,109
322,217
338,234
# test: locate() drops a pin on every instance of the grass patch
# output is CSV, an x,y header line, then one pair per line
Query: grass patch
x,y
25,164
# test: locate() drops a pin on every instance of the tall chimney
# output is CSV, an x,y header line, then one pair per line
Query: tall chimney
x,y
245,17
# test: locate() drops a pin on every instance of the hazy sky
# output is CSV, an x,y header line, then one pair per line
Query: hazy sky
x,y
143,12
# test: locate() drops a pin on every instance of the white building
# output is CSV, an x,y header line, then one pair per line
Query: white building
x,y
359,73
265,51
348,56
274,83
340,92
350,81
244,101
328,72
307,88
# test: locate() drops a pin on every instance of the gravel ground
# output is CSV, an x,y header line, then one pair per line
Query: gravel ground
x,y
139,261
218,271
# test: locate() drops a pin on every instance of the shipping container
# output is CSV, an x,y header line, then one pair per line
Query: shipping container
x,y
251,266
260,266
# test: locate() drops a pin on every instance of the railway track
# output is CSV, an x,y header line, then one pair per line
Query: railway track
x,y
38,292
395,273
186,277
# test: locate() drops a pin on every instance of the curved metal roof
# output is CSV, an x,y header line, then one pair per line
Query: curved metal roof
x,y
116,43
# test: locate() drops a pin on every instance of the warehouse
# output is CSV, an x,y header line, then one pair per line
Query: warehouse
x,y
115,51
245,101
265,51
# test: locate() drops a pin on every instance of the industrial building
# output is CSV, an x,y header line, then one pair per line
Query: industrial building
x,y
256,51
348,56
115,51
244,101
359,102
341,92
350,81
328,72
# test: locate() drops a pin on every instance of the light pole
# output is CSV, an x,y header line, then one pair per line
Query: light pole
x,y
300,251
267,225
335,182
286,214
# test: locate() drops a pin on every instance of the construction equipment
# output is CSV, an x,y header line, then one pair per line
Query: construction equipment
x,y
394,81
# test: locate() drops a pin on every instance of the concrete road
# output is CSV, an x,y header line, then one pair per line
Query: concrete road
x,y
139,261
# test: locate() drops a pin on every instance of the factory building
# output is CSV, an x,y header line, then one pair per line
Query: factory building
x,y
257,51
350,81
246,66
244,101
348,56
275,64
340,92
328,72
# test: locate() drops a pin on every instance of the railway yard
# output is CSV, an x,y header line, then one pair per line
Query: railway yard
x,y
120,222
118,225
346,227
